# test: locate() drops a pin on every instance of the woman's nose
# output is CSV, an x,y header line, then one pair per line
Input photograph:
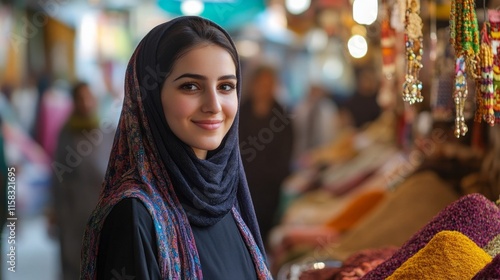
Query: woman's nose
x,y
211,102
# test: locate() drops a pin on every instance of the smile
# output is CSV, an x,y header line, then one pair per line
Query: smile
x,y
208,124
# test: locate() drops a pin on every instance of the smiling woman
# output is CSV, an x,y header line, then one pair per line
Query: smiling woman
x,y
175,203
200,101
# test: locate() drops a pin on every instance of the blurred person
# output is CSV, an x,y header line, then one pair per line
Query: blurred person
x,y
25,103
7,91
24,154
362,107
111,99
316,121
175,202
266,143
79,166
55,106
7,113
43,85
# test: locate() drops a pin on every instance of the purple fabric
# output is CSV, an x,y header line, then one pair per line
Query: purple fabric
x,y
490,271
473,215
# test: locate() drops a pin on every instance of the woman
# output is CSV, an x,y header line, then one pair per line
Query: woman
x,y
175,203
316,122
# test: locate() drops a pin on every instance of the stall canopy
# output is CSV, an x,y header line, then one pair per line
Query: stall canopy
x,y
230,14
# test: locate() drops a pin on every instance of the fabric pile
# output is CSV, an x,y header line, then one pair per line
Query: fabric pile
x,y
398,216
354,267
356,209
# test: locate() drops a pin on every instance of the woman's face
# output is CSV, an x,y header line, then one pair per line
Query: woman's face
x,y
199,97
85,102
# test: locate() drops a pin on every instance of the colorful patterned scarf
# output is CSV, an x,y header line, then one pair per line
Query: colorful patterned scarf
x,y
138,169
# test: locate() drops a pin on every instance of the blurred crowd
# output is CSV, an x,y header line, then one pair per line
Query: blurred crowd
x,y
57,135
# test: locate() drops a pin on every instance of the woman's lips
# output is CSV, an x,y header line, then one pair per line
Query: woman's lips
x,y
208,124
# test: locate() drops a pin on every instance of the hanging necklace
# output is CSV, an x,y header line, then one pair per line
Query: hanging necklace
x,y
412,87
494,19
485,90
464,36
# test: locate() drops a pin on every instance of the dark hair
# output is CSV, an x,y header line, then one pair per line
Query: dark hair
x,y
264,69
77,87
185,35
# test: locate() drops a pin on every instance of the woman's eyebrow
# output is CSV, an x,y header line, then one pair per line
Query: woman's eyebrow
x,y
201,77
227,77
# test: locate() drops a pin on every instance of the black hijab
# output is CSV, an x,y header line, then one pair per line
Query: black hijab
x,y
209,188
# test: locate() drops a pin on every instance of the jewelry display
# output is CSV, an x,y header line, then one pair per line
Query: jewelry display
x,y
464,36
485,88
412,87
494,23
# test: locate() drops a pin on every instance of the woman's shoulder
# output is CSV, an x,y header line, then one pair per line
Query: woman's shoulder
x,y
128,241
129,213
130,206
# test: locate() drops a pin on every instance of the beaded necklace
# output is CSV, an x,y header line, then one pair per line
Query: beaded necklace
x,y
412,87
459,96
464,36
485,88
494,18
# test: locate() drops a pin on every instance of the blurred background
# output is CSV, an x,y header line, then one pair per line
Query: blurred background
x,y
335,126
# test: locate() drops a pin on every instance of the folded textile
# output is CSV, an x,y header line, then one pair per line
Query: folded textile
x,y
357,208
354,267
396,218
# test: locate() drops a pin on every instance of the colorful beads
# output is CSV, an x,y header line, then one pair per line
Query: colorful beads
x,y
464,35
459,97
412,87
485,90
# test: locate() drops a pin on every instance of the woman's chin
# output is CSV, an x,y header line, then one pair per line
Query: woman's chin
x,y
206,147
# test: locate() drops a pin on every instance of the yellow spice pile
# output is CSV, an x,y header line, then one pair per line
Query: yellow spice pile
x,y
449,255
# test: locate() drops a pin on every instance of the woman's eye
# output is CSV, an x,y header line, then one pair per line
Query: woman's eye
x,y
189,87
227,87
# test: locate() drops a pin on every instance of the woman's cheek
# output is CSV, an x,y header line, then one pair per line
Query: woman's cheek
x,y
183,108
232,106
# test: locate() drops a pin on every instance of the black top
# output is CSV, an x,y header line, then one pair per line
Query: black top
x,y
128,246
223,252
127,243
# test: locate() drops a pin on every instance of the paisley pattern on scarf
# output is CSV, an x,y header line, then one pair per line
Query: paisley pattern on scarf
x,y
135,171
